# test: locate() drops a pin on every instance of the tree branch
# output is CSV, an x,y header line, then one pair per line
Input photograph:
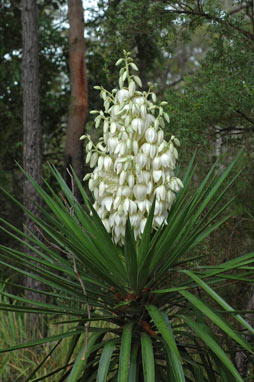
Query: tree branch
x,y
238,9
199,12
233,130
246,117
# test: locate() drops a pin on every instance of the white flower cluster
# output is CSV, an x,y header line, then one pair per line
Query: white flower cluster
x,y
133,161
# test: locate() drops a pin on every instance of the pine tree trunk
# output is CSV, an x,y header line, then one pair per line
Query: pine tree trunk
x,y
32,161
241,358
79,104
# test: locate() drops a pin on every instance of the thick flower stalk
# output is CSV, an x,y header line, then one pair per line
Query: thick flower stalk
x,y
133,162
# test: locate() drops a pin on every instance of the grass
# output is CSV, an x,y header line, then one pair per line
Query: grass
x,y
18,365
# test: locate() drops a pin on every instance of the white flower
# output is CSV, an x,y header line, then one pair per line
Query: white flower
x,y
101,188
135,219
121,95
142,160
126,205
122,178
141,205
151,135
144,177
165,159
127,191
153,150
117,202
113,128
132,207
149,120
112,143
156,163
161,192
137,125
107,202
133,163
146,148
139,191
135,147
157,174
131,180
107,163
142,225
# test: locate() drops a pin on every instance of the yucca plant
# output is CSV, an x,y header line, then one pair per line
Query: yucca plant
x,y
148,311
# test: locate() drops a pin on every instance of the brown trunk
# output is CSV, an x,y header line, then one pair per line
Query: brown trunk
x,y
78,104
32,161
241,358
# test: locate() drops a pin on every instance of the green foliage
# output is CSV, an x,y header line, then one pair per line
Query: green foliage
x,y
14,329
53,84
217,98
156,325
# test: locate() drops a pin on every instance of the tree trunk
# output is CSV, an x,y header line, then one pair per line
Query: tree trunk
x,y
241,358
32,161
78,105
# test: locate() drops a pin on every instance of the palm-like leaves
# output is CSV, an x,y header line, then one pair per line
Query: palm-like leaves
x,y
157,325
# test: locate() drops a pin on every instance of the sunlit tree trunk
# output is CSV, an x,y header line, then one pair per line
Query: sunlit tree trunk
x,y
78,104
32,161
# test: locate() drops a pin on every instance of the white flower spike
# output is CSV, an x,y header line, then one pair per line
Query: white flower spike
x,y
133,162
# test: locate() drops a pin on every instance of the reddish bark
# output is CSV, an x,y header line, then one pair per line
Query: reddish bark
x,y
79,98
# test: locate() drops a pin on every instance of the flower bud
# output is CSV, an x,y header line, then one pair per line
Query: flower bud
x,y
132,88
88,157
162,146
143,111
86,177
100,163
93,160
160,137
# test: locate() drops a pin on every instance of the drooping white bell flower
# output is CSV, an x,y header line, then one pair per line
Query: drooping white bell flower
x,y
133,162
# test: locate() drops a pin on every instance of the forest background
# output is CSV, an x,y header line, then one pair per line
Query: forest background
x,y
199,56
